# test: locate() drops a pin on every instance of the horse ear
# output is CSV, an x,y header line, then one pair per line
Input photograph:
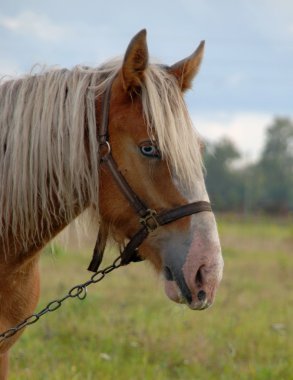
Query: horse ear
x,y
135,61
186,69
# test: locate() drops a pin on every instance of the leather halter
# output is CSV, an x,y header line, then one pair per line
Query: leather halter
x,y
150,219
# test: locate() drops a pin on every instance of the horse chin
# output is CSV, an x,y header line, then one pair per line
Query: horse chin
x,y
174,294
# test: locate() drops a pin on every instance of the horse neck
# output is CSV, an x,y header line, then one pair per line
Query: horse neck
x,y
14,256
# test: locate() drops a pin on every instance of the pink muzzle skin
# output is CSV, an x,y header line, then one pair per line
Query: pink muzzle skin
x,y
193,267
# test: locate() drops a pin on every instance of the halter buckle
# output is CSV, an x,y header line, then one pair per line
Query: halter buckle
x,y
150,220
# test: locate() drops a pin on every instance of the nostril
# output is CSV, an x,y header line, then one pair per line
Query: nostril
x,y
168,274
201,295
199,277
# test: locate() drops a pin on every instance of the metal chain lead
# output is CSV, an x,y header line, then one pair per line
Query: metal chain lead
x,y
79,291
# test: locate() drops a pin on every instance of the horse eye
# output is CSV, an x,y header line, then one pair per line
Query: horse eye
x,y
150,150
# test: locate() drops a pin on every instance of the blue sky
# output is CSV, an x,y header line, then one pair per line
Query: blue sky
x,y
246,77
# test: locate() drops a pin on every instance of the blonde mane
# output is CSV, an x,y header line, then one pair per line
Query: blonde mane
x,y
49,152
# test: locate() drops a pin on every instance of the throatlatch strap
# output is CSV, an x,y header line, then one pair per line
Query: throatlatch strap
x,y
99,249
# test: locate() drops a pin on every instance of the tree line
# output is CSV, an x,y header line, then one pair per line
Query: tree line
x,y
262,186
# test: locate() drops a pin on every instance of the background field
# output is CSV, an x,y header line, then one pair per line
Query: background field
x,y
128,329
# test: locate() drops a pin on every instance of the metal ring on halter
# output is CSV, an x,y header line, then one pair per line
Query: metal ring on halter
x,y
105,155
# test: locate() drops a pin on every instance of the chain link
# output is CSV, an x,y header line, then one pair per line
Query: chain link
x,y
78,291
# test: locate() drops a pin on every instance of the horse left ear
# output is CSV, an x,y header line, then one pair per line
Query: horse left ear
x,y
187,69
135,62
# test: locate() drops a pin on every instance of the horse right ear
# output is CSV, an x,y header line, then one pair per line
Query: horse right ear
x,y
135,62
187,69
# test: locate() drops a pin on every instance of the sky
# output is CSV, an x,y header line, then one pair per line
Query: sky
x,y
246,78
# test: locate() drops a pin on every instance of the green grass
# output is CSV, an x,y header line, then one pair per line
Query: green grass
x,y
128,329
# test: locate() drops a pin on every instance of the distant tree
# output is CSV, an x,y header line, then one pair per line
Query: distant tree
x,y
224,183
266,185
275,168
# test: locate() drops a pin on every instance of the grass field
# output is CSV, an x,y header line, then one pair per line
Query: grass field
x,y
127,329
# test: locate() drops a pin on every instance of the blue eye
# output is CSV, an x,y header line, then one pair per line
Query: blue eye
x,y
150,150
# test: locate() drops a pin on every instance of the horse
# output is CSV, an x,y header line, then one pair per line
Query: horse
x,y
116,140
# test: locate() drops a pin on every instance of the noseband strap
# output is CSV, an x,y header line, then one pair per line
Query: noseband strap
x,y
150,219
161,219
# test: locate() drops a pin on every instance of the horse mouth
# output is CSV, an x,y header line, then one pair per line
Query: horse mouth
x,y
199,305
178,295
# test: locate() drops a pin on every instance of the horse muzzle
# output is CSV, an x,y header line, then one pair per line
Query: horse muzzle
x,y
193,265
196,297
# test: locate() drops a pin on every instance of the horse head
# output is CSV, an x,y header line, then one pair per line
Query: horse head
x,y
157,151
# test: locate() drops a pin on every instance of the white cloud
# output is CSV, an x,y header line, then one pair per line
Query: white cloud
x,y
246,130
34,24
